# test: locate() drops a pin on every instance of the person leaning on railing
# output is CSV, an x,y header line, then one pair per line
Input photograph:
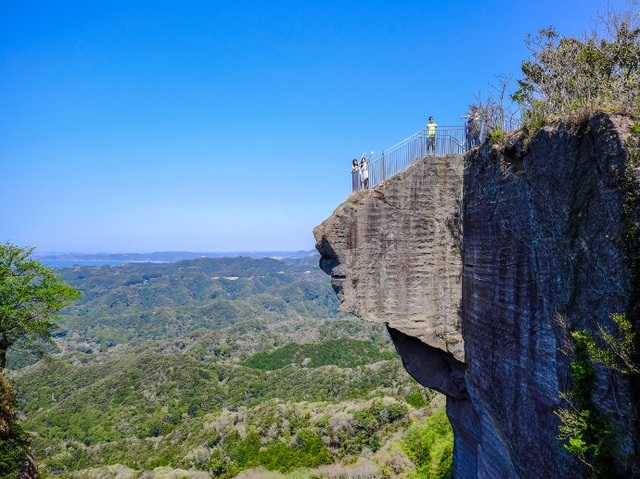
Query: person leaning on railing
x,y
431,136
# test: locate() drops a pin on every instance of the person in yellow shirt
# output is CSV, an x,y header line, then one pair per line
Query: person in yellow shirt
x,y
431,136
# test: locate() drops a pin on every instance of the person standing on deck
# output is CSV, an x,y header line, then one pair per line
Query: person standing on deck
x,y
355,175
364,173
472,127
431,136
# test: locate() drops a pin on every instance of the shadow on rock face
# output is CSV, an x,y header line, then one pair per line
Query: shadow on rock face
x,y
431,367
329,262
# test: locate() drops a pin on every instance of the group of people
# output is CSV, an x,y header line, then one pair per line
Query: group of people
x,y
472,130
360,171
360,174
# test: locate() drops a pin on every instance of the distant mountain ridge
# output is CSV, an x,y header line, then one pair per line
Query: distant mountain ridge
x,y
167,256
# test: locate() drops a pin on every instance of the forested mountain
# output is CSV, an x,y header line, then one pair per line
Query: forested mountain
x,y
215,366
159,301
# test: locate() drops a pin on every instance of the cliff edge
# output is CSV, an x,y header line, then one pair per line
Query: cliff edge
x,y
393,253
484,268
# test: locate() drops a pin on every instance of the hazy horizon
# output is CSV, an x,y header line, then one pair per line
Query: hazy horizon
x,y
184,252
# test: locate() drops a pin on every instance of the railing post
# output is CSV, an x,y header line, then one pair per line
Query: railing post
x,y
384,168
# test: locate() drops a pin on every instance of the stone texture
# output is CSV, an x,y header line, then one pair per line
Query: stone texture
x,y
393,253
542,254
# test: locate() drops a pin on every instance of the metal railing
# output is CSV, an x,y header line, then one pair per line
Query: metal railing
x,y
394,160
448,140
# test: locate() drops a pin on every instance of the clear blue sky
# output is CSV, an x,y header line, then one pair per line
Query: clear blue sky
x,y
140,126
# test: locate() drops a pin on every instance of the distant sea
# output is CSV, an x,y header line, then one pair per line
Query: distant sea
x,y
69,264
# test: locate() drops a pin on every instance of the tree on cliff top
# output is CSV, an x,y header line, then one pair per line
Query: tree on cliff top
x,y
573,77
30,295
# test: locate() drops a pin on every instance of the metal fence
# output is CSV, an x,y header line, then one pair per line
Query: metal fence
x,y
394,160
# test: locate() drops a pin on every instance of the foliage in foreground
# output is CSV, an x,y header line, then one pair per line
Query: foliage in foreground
x,y
13,441
30,296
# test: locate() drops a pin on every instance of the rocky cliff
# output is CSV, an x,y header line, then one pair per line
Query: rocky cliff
x,y
483,267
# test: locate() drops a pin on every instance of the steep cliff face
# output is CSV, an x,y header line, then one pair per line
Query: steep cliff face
x,y
394,256
393,253
544,252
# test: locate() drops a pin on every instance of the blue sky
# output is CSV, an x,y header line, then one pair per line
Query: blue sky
x,y
139,126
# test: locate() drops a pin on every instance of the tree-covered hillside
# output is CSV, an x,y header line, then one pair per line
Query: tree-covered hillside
x,y
159,301
211,367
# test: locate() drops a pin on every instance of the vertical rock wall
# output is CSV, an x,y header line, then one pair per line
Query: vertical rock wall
x,y
542,254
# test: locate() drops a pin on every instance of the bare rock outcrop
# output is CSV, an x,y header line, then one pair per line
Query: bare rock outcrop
x,y
545,251
393,253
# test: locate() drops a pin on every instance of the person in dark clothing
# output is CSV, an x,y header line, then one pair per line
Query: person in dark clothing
x,y
472,127
355,175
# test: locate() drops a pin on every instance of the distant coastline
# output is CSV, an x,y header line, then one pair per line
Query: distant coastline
x,y
66,260
78,262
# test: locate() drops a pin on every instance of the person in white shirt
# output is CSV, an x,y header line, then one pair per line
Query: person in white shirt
x,y
364,173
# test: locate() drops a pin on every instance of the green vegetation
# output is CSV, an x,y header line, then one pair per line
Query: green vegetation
x,y
496,136
430,445
114,411
416,399
276,380
340,352
569,77
588,433
619,353
152,301
14,443
30,296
